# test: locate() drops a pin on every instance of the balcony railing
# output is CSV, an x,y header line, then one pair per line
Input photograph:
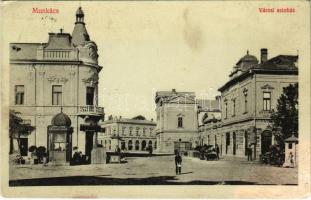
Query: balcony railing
x,y
91,110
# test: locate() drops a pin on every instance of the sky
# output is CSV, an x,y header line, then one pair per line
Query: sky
x,y
147,46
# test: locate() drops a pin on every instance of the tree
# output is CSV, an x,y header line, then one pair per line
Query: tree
x,y
17,128
285,118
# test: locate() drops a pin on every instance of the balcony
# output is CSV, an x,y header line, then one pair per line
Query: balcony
x,y
91,111
265,113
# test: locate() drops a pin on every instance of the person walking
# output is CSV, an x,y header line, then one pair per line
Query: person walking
x,y
178,161
249,153
217,151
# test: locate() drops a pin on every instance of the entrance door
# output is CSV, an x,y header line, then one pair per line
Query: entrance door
x,y
234,143
88,145
266,141
23,146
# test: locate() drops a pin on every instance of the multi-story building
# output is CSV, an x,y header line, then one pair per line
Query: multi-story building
x,y
62,73
248,99
135,134
177,121
209,114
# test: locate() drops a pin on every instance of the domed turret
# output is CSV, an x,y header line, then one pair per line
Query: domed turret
x,y
246,61
79,34
61,119
79,12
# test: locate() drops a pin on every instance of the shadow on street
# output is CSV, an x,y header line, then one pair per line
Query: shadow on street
x,y
104,180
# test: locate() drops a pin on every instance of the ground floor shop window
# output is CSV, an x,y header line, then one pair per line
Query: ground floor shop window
x,y
137,145
130,145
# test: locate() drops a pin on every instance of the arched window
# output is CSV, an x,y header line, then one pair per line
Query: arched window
x,y
130,145
150,144
180,122
143,145
137,145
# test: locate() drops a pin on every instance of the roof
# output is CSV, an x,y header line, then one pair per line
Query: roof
x,y
79,11
247,59
208,104
291,139
130,121
61,119
59,41
172,94
281,64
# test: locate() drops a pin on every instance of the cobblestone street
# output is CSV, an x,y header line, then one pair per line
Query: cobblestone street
x,y
155,170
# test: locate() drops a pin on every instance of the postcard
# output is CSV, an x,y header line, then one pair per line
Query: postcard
x,y
155,99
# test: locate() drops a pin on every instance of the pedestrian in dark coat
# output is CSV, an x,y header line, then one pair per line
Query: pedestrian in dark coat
x,y
178,161
249,153
217,151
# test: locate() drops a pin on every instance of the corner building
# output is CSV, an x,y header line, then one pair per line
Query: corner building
x,y
248,100
62,73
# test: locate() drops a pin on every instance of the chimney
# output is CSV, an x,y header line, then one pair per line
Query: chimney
x,y
263,55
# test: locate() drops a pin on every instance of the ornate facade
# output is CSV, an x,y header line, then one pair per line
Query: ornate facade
x,y
62,73
128,134
247,101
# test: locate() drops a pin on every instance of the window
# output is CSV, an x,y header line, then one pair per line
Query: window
x,y
137,131
266,101
137,145
19,94
144,131
90,96
226,110
233,107
56,95
151,130
131,130
180,122
290,145
130,145
227,139
245,103
123,130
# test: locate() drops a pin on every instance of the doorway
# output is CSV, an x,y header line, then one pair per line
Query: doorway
x,y
88,145
23,146
266,141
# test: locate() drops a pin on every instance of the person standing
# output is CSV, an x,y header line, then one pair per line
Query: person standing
x,y
249,153
217,151
178,161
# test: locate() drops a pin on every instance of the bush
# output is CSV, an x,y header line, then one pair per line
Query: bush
x,y
32,148
41,151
